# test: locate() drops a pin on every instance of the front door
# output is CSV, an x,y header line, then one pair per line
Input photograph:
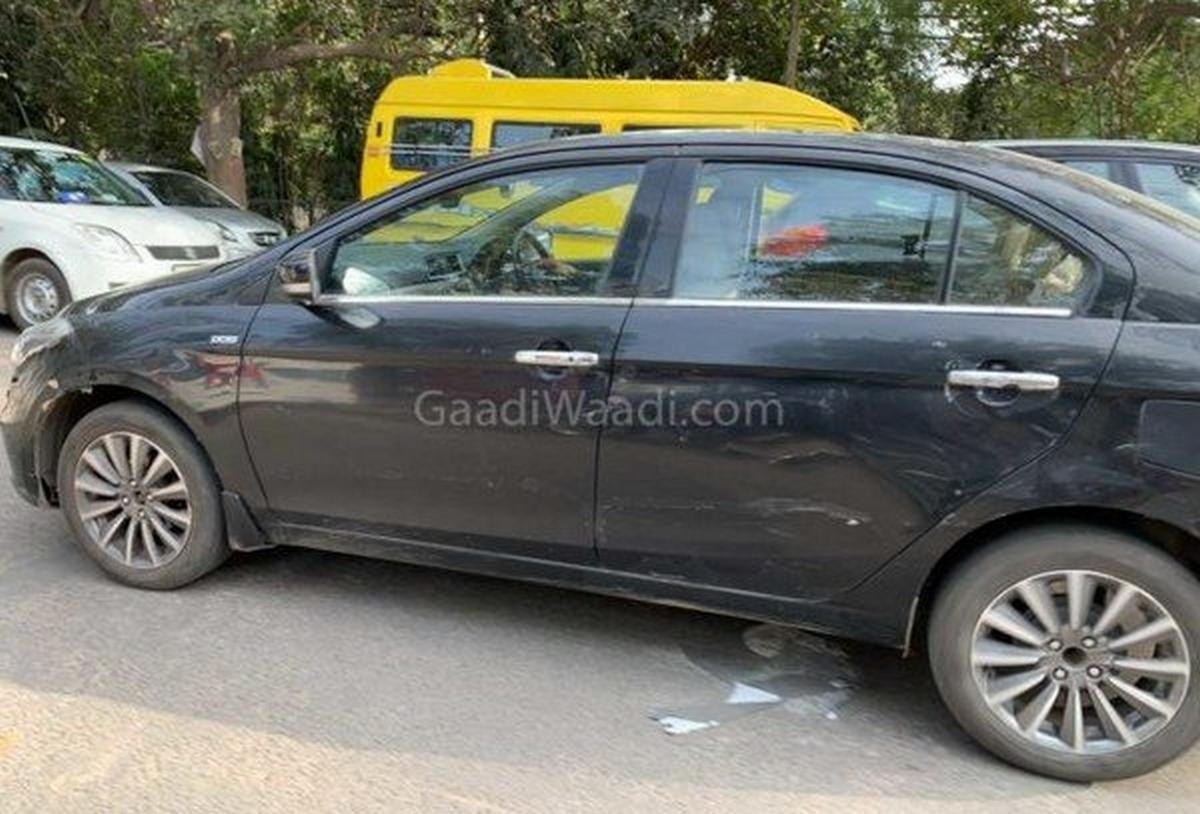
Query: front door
x,y
441,389
842,357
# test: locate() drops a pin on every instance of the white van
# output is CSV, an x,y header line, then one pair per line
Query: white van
x,y
70,228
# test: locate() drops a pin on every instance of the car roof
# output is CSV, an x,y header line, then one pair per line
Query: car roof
x,y
1097,147
1011,167
12,142
952,153
133,166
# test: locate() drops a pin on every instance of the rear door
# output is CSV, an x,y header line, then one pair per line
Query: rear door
x,y
834,355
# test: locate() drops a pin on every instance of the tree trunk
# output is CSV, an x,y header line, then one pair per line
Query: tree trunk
x,y
220,140
793,46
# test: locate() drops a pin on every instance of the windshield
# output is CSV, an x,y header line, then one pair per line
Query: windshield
x,y
51,176
182,189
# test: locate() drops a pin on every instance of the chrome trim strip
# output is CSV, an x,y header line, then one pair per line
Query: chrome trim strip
x,y
343,299
931,308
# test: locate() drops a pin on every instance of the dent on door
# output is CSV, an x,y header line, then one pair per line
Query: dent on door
x,y
876,443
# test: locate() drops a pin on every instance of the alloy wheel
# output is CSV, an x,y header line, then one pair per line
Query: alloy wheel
x,y
1080,661
37,297
132,500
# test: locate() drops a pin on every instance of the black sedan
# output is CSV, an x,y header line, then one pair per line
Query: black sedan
x,y
927,395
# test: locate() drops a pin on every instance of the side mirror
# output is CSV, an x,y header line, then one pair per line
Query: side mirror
x,y
297,275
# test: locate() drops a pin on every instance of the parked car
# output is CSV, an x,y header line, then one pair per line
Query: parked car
x,y
917,393
69,228
1169,173
244,232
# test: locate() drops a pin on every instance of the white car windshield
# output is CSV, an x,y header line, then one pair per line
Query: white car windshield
x,y
182,189
52,176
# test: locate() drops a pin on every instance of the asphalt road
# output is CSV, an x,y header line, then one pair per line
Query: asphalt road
x,y
301,681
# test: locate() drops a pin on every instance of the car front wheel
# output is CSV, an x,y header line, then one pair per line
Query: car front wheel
x,y
35,292
141,497
1071,651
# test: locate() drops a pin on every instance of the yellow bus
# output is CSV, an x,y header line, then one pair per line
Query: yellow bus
x,y
468,108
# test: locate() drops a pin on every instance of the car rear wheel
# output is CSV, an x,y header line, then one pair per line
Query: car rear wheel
x,y
1071,651
35,292
141,497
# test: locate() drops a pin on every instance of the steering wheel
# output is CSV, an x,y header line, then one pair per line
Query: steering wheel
x,y
526,253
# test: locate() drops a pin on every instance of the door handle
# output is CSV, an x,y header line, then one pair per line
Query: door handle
x,y
1003,379
557,358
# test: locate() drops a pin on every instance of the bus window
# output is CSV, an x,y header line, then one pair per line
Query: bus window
x,y
510,134
428,144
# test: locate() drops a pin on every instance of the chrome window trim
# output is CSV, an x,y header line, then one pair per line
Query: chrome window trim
x,y
522,299
823,305
526,299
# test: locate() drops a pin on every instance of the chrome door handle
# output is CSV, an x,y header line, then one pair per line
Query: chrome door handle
x,y
1003,379
557,358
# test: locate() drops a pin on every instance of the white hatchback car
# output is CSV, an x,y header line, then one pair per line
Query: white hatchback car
x,y
69,228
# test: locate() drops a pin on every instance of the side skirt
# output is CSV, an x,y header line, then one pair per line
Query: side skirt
x,y
819,617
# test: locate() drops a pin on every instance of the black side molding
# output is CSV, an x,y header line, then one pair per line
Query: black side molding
x,y
244,534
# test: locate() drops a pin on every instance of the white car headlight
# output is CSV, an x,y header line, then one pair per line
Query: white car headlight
x,y
108,242
39,337
224,231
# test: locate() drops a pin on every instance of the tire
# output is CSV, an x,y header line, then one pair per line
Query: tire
x,y
180,552
965,651
44,281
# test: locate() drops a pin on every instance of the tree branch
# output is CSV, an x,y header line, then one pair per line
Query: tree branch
x,y
288,56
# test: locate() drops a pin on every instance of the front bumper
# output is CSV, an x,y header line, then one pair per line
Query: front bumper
x,y
20,427
107,275
37,396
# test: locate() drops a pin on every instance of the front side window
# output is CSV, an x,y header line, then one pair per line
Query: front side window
x,y
759,232
182,189
545,233
51,176
1003,259
429,144
510,134
1176,184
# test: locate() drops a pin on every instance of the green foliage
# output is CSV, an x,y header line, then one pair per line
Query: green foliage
x,y
128,78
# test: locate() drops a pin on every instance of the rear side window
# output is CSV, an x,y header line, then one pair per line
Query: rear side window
x,y
1176,184
510,134
814,234
1100,169
429,144
822,234
1003,259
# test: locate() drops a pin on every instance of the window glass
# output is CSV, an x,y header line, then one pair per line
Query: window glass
x,y
510,134
1176,185
51,176
1003,259
428,144
182,189
1100,169
551,233
775,232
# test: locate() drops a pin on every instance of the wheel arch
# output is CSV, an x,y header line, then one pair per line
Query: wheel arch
x,y
68,409
1175,541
